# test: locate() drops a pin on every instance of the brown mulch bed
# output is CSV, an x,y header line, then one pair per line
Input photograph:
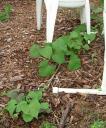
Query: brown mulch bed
x,y
18,70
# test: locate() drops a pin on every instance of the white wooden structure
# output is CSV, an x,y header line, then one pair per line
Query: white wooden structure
x,y
85,17
52,7
100,91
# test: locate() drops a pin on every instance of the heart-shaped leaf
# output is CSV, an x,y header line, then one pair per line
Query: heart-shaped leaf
x,y
21,106
43,63
74,35
74,62
27,117
61,44
89,37
58,57
44,106
34,50
11,106
46,51
46,70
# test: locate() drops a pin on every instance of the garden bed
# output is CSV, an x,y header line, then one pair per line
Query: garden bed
x,y
19,70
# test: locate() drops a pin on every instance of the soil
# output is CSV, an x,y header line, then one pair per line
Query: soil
x,y
18,70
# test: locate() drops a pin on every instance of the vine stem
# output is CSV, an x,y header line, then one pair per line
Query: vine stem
x,y
51,79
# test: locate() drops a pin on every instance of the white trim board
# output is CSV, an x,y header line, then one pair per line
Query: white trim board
x,y
83,91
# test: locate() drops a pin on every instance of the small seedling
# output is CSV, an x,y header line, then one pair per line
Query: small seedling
x,y
63,50
28,106
5,14
47,125
98,124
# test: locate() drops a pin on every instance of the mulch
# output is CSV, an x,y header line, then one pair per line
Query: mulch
x,y
18,70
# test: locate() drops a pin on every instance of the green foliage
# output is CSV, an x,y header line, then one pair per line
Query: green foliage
x,y
46,52
45,69
58,57
98,124
101,2
47,125
74,62
63,50
34,51
28,107
5,14
97,17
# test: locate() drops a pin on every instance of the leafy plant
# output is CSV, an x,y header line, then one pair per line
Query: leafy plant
x,y
101,2
63,50
5,14
47,125
98,124
28,106
97,16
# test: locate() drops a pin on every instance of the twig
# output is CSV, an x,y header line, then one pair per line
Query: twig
x,y
51,79
48,82
65,114
2,105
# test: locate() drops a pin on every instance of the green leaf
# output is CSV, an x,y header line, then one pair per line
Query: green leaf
x,y
75,44
3,16
13,93
34,108
34,50
27,117
58,57
89,37
46,70
74,35
85,47
11,106
43,63
8,8
75,40
47,125
61,44
98,10
26,110
74,62
34,95
44,106
46,51
80,28
98,124
21,106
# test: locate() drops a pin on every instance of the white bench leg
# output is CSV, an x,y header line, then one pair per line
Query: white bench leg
x,y
103,87
39,13
104,71
51,7
82,15
87,13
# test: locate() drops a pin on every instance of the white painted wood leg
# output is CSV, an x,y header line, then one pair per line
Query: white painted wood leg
x,y
87,13
51,6
104,72
39,13
82,15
